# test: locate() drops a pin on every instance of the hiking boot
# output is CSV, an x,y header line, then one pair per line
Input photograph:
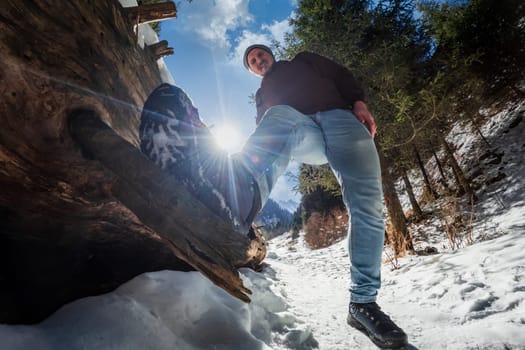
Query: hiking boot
x,y
376,325
174,137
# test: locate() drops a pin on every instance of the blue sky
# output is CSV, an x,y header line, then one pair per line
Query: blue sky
x,y
209,38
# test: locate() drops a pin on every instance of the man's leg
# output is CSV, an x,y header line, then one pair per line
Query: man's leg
x,y
353,157
283,134
173,136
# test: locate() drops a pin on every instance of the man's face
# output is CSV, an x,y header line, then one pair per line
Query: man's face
x,y
259,61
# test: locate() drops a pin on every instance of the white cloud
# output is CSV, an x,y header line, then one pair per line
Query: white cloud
x,y
211,20
277,29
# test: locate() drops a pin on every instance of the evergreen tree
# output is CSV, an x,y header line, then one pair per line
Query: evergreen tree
x,y
488,34
385,48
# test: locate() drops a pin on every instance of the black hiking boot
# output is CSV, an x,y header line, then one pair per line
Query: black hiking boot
x,y
174,137
376,325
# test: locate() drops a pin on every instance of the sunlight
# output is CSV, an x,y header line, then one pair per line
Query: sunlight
x,y
227,138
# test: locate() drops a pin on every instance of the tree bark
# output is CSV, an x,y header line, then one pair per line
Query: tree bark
x,y
199,237
63,232
398,236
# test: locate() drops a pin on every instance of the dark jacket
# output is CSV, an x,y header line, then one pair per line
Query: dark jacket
x,y
309,83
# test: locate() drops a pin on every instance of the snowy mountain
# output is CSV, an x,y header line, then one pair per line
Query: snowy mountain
x,y
289,205
273,219
470,297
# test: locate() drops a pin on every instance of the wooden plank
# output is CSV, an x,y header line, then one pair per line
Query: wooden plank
x,y
149,13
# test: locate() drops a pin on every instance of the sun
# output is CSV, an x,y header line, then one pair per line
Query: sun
x,y
227,138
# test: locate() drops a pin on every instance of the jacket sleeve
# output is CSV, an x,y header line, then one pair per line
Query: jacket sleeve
x,y
346,83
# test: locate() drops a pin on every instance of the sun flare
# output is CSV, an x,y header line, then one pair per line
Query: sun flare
x,y
227,138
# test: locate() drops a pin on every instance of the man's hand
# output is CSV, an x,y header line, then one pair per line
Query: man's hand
x,y
363,114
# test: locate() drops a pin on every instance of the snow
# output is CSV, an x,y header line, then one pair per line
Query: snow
x,y
472,298
467,298
291,205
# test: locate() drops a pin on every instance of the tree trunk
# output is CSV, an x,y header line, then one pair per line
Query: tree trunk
x,y
440,169
418,213
64,232
398,236
480,133
428,186
463,183
197,235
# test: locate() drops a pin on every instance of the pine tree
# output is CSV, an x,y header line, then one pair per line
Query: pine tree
x,y
382,44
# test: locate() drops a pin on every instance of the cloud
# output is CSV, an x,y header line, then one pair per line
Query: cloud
x,y
223,26
211,20
278,29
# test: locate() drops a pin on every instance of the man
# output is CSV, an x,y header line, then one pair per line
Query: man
x,y
313,110
309,109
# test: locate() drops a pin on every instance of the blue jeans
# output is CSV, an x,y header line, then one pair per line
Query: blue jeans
x,y
336,137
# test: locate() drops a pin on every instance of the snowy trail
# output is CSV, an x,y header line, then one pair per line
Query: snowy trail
x,y
315,285
471,298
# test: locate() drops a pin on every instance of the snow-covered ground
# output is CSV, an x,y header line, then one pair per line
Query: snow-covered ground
x,y
472,298
467,298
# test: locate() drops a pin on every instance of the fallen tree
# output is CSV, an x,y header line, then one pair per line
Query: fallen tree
x,y
78,221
